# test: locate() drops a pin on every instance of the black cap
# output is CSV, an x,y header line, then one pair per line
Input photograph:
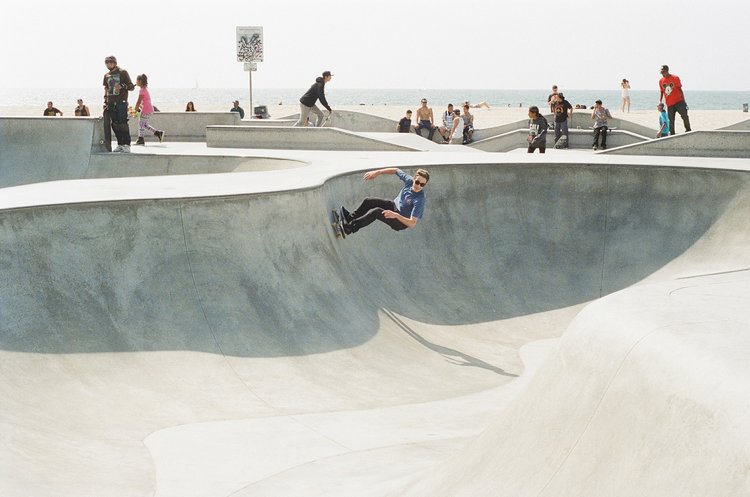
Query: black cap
x,y
664,68
327,73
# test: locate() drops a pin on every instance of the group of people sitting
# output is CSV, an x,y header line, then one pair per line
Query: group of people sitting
x,y
452,122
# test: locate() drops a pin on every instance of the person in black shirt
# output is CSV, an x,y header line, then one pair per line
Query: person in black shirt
x,y
51,110
117,84
236,108
307,103
562,110
404,125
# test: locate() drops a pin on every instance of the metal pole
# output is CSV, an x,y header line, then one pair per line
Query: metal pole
x,y
250,79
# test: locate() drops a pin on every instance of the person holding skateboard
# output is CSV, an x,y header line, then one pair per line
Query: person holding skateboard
x,y
117,84
400,213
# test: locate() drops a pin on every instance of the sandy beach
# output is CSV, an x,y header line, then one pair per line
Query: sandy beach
x,y
484,118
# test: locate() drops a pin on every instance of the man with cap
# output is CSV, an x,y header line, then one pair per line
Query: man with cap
x,y
117,84
308,100
670,87
236,108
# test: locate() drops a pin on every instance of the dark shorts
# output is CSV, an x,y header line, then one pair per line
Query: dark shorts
x,y
425,124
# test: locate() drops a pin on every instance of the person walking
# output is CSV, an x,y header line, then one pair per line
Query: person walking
x,y
146,109
400,213
551,98
538,125
600,114
625,85
117,84
81,110
307,102
670,87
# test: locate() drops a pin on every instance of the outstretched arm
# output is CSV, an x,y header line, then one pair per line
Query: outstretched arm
x,y
377,172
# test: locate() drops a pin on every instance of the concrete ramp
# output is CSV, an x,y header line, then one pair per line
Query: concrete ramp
x,y
232,345
35,149
734,144
297,138
577,138
185,126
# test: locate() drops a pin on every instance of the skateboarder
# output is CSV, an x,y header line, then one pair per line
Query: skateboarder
x,y
401,213
307,103
117,84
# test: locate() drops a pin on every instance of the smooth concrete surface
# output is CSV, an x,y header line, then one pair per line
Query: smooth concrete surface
x,y
565,325
297,138
34,149
353,121
740,126
577,139
733,144
184,126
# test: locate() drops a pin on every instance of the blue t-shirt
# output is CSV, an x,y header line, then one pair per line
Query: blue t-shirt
x,y
664,121
409,203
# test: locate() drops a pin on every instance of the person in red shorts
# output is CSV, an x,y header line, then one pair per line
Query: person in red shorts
x,y
670,87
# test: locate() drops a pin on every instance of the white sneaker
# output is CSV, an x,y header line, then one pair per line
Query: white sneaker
x,y
125,149
118,148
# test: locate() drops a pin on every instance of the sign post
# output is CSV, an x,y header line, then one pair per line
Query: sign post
x,y
250,51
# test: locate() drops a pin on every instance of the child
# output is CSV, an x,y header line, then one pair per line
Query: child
x,y
663,121
537,131
404,125
144,106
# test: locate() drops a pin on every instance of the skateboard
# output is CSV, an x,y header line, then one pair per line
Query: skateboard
x,y
338,229
562,142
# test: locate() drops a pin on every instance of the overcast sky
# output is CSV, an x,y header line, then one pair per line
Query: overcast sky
x,y
482,44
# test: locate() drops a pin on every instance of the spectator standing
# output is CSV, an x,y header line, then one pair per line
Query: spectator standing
x,y
190,107
81,110
236,108
117,84
670,87
625,85
562,110
307,102
551,99
51,110
600,114
144,108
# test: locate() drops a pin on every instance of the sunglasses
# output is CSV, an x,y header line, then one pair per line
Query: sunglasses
x,y
420,184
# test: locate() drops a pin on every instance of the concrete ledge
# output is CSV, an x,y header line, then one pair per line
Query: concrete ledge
x,y
260,137
184,126
34,149
734,144
131,165
577,138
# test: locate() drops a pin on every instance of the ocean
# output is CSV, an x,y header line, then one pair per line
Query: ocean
x,y
211,99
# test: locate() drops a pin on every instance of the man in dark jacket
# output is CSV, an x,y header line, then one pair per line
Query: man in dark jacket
x,y
117,84
308,100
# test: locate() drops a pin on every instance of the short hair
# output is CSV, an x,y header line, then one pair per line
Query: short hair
x,y
424,173
450,105
598,102
408,111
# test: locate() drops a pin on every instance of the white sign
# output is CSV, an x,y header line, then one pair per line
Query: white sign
x,y
251,66
249,44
